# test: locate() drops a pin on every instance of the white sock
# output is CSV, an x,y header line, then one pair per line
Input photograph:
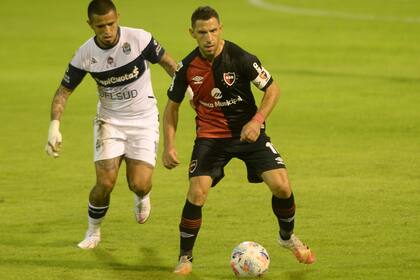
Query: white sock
x,y
94,225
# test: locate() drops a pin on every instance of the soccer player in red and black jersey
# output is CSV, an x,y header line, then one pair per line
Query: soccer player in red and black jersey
x,y
229,125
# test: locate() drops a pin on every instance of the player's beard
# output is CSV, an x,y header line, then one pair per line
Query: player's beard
x,y
108,42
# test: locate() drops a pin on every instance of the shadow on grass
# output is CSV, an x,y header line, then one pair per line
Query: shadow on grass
x,y
299,274
149,264
104,260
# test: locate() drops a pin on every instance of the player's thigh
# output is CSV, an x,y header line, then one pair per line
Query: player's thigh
x,y
109,141
107,171
199,189
278,182
208,159
142,143
139,173
259,157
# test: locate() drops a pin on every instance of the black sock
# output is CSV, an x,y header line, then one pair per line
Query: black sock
x,y
189,227
96,212
284,209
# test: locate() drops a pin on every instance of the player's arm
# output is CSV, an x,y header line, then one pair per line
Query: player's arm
x,y
168,63
57,108
268,102
59,102
262,79
251,131
170,123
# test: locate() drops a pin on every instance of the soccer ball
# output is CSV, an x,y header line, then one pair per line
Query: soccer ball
x,y
249,259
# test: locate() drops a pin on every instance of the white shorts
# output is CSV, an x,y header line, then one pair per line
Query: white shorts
x,y
134,142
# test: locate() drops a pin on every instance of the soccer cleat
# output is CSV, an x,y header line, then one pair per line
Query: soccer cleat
x,y
91,240
184,266
301,251
142,208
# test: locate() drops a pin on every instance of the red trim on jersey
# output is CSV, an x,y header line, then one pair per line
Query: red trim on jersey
x,y
211,121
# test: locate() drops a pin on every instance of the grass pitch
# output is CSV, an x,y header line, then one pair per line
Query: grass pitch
x,y
347,124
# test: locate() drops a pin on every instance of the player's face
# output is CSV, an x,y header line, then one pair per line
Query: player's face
x,y
208,33
105,28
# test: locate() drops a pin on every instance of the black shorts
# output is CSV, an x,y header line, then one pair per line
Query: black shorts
x,y
210,156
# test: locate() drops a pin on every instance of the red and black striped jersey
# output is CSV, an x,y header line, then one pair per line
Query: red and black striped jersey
x,y
223,99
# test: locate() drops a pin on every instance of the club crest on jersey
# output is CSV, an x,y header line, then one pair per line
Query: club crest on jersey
x,y
193,165
229,78
126,48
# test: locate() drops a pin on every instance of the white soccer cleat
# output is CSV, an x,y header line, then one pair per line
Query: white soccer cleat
x,y
301,251
142,208
91,240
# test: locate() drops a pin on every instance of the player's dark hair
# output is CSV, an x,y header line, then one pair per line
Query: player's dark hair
x,y
100,7
204,13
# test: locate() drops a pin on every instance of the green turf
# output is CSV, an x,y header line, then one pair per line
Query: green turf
x,y
348,125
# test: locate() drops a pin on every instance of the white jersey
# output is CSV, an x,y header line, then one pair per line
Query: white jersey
x,y
122,75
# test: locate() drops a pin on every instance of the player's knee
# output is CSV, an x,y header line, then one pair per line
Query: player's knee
x,y
140,188
106,184
281,190
100,194
197,196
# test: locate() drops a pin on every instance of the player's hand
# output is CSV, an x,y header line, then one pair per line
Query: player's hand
x,y
250,131
54,139
170,158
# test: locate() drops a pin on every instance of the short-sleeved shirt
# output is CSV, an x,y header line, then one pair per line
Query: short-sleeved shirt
x,y
122,75
223,99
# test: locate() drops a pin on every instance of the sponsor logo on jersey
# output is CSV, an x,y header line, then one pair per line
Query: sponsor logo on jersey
x,y
257,67
126,48
158,47
218,103
228,102
110,60
263,76
114,80
67,76
198,80
216,93
122,95
229,78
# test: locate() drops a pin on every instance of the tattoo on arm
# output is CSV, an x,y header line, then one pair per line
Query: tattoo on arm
x,y
59,102
169,64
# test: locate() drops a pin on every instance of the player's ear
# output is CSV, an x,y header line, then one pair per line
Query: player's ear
x,y
89,23
192,32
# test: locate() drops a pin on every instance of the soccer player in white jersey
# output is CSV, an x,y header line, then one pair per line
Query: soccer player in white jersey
x,y
126,126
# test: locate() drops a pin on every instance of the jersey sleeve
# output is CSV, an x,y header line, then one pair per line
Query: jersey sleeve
x,y
153,51
72,77
176,91
257,74
74,73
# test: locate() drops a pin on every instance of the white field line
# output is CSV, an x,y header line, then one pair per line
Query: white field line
x,y
325,13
